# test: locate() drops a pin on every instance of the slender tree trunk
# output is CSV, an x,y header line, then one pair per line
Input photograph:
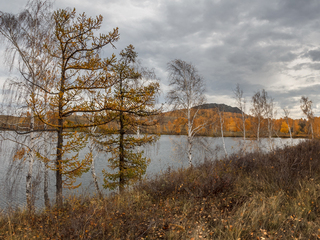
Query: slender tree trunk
x,y
45,186
121,155
46,174
222,136
290,131
312,136
95,179
269,128
121,142
138,135
93,172
47,152
189,151
29,189
189,144
244,126
58,165
30,169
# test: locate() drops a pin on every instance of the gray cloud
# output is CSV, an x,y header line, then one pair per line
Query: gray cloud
x,y
271,44
314,55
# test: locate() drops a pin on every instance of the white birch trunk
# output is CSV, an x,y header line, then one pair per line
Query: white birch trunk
x,y
269,128
189,145
93,172
244,126
221,126
31,156
290,132
95,179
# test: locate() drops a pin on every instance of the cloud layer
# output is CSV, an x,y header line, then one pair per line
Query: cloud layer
x,y
270,44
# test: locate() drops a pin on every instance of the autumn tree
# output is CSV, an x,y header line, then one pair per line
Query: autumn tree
x,y
81,89
26,34
306,107
135,93
187,96
284,127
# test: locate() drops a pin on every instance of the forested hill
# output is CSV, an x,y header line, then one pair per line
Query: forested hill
x,y
221,107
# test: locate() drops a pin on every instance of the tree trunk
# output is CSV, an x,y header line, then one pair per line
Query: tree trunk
x,y
47,152
121,155
290,132
95,179
221,128
121,141
93,172
244,126
45,186
189,150
189,145
30,169
59,166
138,135
269,128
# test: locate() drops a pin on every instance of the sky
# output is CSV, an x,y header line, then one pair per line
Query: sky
x,y
261,44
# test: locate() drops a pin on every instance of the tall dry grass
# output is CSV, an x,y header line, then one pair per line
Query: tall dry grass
x,y
273,195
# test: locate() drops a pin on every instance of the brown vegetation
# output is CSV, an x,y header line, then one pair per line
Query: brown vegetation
x,y
271,195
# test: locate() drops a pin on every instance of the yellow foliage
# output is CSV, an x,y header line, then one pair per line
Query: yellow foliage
x,y
284,127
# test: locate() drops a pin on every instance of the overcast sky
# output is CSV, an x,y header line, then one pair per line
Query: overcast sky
x,y
270,44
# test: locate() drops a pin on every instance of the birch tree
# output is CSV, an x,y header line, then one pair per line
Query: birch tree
x,y
94,153
241,104
187,96
269,114
25,35
258,109
306,107
286,115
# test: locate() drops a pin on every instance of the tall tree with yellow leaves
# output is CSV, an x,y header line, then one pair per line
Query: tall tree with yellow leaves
x,y
134,94
81,89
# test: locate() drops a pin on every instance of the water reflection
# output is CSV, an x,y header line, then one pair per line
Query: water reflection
x,y
169,151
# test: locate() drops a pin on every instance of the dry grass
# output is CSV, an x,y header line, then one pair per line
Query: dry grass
x,y
273,195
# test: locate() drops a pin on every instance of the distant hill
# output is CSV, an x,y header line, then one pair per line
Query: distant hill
x,y
221,107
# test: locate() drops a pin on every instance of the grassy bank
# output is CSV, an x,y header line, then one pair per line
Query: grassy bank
x,y
273,195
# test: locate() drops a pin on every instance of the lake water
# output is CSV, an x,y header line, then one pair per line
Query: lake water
x,y
169,151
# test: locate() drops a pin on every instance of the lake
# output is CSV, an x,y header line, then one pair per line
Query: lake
x,y
167,152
